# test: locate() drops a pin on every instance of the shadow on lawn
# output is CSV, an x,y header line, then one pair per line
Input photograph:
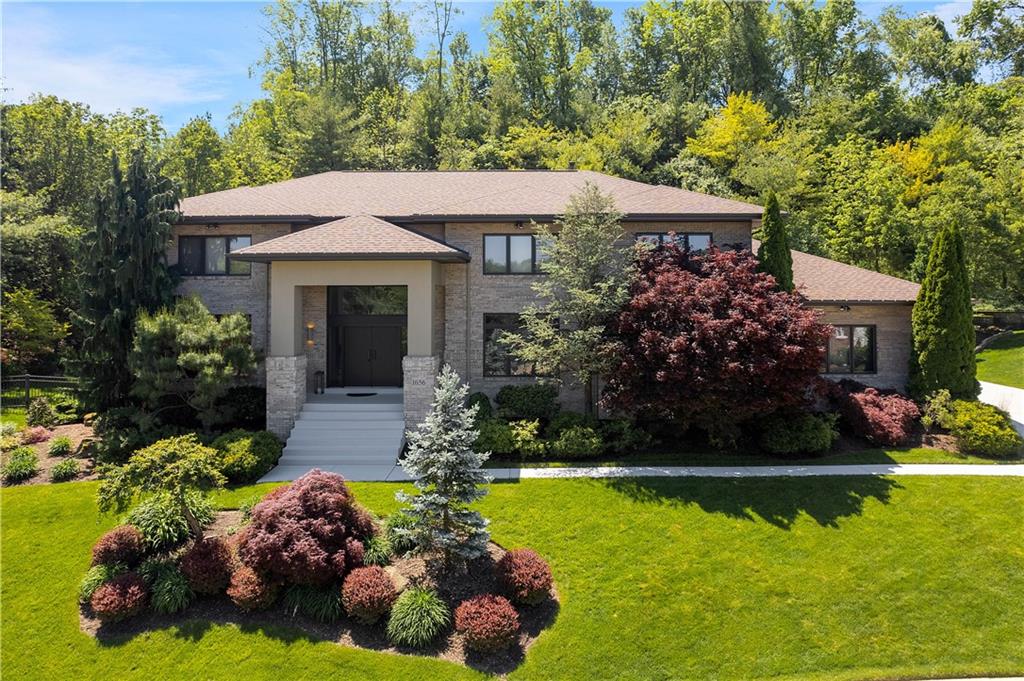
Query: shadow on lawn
x,y
779,501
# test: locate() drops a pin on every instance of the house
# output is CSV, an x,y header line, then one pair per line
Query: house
x,y
372,280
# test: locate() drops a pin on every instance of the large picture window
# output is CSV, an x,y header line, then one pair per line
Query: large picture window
x,y
498,361
511,254
208,255
851,350
693,241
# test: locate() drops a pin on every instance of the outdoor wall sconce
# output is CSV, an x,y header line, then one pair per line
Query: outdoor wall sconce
x,y
310,326
844,308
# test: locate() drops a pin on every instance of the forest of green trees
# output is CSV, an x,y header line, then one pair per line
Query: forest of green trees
x,y
872,133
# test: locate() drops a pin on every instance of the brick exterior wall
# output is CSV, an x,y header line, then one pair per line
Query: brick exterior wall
x,y
892,341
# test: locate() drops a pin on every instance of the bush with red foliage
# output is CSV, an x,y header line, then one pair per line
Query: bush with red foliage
x,y
525,576
123,544
299,532
882,418
207,565
250,590
709,341
487,622
122,597
368,594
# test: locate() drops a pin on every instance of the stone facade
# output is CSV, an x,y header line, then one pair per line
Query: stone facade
x,y
420,376
892,341
286,392
314,311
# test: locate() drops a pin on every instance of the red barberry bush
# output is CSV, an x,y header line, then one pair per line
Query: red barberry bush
x,y
368,594
207,565
487,622
880,418
122,597
525,576
123,544
250,590
707,340
299,533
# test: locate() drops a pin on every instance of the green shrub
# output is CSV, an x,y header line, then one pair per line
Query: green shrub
x,y
246,506
320,603
64,471
532,401
495,436
40,413
400,544
983,430
66,407
7,429
96,577
59,446
483,403
791,434
161,521
417,618
938,411
564,420
170,592
622,436
246,406
246,456
21,464
377,550
577,442
526,439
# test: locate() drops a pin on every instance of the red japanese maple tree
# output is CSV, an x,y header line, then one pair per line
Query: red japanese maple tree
x,y
709,341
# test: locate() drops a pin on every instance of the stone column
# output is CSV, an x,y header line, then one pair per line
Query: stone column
x,y
420,375
286,392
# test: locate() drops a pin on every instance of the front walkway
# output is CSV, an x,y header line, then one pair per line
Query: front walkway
x,y
1006,398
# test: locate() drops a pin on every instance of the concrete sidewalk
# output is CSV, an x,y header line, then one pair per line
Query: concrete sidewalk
x,y
1006,398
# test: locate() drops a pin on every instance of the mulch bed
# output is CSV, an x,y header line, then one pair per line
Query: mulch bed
x,y
454,587
77,433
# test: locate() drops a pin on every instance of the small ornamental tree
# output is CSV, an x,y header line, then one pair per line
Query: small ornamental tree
x,y
178,466
448,477
942,355
774,254
186,356
709,341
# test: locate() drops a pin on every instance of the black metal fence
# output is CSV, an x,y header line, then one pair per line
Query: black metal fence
x,y
19,391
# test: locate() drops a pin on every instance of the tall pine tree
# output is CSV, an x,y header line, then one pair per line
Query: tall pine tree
x,y
942,355
774,254
124,273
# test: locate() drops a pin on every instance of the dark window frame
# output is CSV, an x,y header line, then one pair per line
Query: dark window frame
x,y
509,360
227,255
685,235
534,262
874,351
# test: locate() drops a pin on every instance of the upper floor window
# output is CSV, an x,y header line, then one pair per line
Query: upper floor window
x,y
851,350
208,255
694,241
511,254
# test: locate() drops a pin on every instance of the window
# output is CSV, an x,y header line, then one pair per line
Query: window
x,y
208,255
511,254
498,361
694,241
851,350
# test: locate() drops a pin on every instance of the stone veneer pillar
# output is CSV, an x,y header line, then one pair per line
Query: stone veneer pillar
x,y
419,377
286,392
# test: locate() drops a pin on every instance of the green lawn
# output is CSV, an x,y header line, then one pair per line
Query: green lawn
x,y
806,578
15,415
1003,361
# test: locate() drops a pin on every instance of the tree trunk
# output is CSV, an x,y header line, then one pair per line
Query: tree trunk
x,y
193,522
589,407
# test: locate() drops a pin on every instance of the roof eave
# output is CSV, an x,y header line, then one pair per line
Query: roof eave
x,y
853,301
428,218
329,257
245,219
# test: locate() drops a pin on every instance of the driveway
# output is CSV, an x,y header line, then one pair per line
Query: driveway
x,y
1006,398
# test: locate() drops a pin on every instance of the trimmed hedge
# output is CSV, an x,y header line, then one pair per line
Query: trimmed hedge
x,y
983,430
530,401
246,456
495,436
794,434
578,442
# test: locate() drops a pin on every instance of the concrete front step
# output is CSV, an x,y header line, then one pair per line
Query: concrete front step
x,y
397,417
356,472
318,460
393,407
391,446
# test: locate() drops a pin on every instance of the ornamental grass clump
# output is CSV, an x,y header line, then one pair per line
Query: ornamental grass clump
x,y
368,594
123,544
487,623
97,576
162,523
418,617
122,597
64,471
308,532
250,590
170,589
320,603
525,576
207,565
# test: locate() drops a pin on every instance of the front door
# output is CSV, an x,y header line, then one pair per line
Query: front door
x,y
366,335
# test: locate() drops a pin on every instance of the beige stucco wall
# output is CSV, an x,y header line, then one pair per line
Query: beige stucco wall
x,y
892,339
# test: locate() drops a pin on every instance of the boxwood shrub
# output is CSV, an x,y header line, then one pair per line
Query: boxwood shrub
x,y
417,618
320,603
578,442
795,434
530,401
983,430
495,436
483,404
564,420
245,455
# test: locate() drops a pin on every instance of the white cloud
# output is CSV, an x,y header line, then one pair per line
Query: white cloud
x,y
115,77
949,11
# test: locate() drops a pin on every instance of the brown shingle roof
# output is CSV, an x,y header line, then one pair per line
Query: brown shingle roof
x,y
353,238
425,195
828,281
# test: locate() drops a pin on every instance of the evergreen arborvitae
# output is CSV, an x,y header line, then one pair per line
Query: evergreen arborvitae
x,y
448,477
124,273
942,355
774,254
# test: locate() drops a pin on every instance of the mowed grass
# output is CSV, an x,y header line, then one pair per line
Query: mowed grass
x,y
1002,362
804,578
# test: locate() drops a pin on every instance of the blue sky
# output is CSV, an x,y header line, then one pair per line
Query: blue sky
x,y
181,59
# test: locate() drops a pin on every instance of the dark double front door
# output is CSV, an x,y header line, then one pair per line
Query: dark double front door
x,y
365,338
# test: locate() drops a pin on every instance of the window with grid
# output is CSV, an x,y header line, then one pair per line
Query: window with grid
x,y
851,350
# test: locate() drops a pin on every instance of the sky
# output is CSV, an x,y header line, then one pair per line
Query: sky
x,y
183,59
